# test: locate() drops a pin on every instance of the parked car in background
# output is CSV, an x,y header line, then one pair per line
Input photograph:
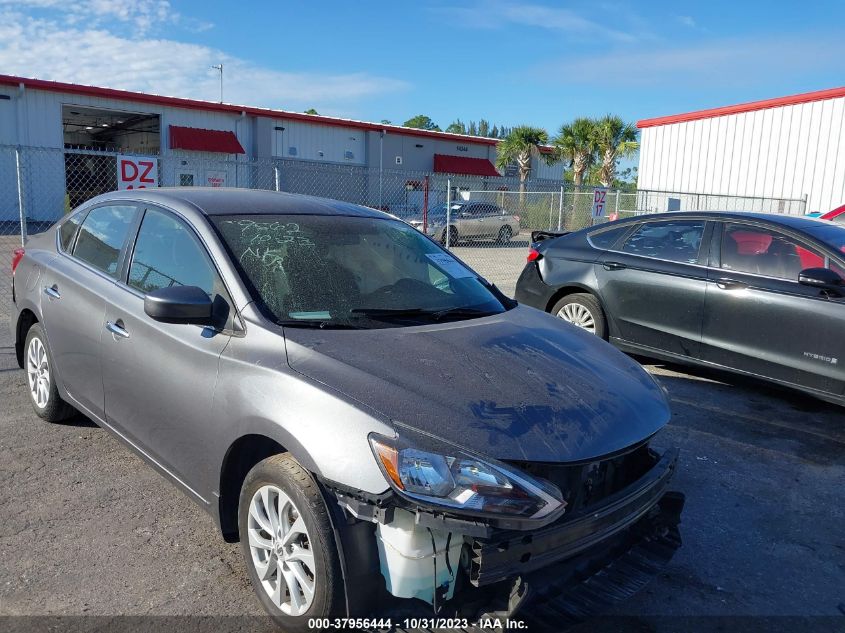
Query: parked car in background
x,y
837,215
753,293
470,221
374,422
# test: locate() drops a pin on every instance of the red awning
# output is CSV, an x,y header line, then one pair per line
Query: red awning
x,y
446,164
200,140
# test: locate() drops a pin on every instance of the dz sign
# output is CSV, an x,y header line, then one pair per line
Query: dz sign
x,y
136,172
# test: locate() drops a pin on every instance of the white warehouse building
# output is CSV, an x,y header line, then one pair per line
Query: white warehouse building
x,y
787,149
69,138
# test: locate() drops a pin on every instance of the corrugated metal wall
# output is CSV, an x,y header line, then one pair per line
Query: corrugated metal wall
x,y
784,152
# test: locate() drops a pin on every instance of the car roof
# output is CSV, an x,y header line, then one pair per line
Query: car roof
x,y
798,222
232,201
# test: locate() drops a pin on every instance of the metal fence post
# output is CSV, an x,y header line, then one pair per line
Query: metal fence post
x,y
551,209
21,211
448,212
560,210
276,176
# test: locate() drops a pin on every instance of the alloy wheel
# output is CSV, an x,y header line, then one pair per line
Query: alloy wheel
x,y
579,315
281,550
38,372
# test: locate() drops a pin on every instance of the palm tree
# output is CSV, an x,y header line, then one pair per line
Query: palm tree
x,y
615,139
520,146
576,144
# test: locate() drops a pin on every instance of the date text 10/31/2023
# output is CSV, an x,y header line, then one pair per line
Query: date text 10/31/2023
x,y
414,623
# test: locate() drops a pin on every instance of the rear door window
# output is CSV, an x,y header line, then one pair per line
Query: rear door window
x,y
607,238
672,240
761,251
67,231
101,236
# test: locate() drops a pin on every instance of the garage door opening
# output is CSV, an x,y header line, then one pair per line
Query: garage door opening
x,y
93,137
110,130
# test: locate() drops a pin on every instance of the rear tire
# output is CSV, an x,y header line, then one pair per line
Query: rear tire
x,y
453,236
582,310
41,378
505,235
307,559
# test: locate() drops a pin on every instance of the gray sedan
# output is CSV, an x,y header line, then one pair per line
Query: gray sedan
x,y
469,220
374,423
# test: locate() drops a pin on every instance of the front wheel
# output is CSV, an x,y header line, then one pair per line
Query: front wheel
x,y
288,543
582,310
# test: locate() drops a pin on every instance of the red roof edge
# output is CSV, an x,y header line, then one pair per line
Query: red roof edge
x,y
752,106
202,140
196,104
466,165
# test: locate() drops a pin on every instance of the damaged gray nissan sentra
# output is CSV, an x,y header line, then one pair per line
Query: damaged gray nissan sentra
x,y
381,428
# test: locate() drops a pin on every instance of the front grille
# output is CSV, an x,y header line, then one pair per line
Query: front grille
x,y
589,483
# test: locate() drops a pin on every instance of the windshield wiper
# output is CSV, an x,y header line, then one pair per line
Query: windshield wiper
x,y
322,325
461,312
388,312
436,315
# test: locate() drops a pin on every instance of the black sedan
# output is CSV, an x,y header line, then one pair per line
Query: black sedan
x,y
758,294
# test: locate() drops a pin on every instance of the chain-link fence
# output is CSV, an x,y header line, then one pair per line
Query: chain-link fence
x,y
490,218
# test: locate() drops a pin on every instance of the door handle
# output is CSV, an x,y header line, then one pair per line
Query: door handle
x,y
52,292
730,284
613,266
117,329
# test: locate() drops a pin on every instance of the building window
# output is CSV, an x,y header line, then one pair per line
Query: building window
x,y
291,151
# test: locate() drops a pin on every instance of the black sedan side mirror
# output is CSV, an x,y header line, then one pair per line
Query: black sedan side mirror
x,y
822,278
179,304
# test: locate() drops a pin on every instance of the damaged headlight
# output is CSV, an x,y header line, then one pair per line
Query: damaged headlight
x,y
463,482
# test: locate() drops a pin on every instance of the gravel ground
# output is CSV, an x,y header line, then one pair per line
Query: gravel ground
x,y
87,529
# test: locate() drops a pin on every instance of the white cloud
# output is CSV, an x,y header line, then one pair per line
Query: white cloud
x,y
46,49
716,63
142,15
687,20
494,14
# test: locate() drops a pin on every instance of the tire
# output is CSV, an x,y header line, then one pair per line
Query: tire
x,y
280,480
453,236
41,378
582,310
505,235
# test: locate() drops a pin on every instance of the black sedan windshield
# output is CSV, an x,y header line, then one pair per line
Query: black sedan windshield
x,y
347,271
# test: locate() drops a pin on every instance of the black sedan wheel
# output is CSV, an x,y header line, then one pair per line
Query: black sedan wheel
x,y
583,310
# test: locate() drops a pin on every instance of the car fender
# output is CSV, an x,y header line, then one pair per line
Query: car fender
x,y
324,430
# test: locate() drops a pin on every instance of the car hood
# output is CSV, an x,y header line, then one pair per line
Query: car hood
x,y
521,385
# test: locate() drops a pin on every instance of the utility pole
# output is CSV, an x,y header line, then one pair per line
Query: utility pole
x,y
220,68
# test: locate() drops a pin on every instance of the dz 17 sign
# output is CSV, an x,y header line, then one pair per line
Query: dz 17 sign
x,y
599,202
136,172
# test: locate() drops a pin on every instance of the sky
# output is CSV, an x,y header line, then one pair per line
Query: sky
x,y
520,62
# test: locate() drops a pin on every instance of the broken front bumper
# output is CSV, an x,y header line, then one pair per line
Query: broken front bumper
x,y
575,567
519,553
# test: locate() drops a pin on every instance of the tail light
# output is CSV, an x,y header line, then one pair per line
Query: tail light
x,y
516,217
17,256
534,255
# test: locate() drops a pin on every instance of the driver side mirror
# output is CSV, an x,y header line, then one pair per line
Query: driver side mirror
x,y
822,278
179,304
